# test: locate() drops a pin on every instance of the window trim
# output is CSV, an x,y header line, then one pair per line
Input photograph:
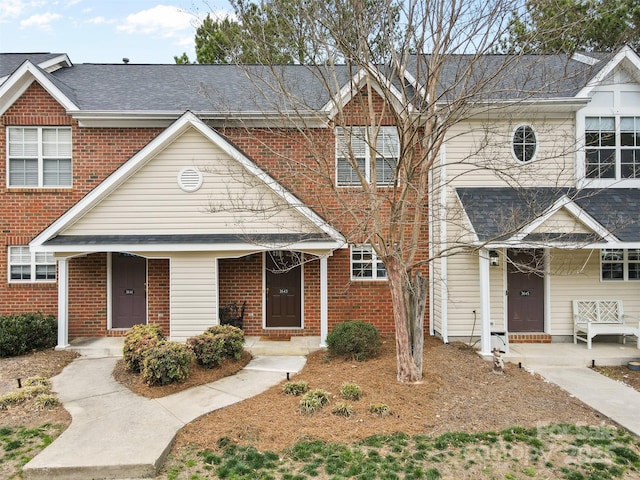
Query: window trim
x,y
625,262
367,152
375,263
40,157
33,264
513,144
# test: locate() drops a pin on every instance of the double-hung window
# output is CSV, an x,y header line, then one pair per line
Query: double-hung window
x,y
26,266
39,157
354,148
612,147
365,264
620,264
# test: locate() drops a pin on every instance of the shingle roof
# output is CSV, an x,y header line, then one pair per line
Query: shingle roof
x,y
497,213
10,61
186,239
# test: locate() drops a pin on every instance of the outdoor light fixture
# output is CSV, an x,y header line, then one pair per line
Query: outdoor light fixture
x,y
494,258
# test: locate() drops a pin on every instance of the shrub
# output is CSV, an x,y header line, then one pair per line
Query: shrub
x,y
357,340
137,342
350,391
296,388
166,362
342,410
25,332
233,339
313,401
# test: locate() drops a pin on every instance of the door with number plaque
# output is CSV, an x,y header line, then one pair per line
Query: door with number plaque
x,y
525,294
128,290
283,290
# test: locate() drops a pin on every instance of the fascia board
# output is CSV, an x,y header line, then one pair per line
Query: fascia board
x,y
625,52
21,79
56,63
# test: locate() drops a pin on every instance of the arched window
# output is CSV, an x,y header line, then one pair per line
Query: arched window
x,y
524,143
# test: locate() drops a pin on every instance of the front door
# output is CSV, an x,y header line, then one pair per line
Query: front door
x,y
128,287
283,287
525,294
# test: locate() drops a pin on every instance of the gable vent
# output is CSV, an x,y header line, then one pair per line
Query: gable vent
x,y
190,179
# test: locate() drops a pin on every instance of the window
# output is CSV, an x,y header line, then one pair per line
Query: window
x,y
619,264
353,143
612,147
524,143
25,266
365,265
39,156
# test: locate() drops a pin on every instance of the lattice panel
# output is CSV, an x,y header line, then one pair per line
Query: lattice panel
x,y
609,312
601,311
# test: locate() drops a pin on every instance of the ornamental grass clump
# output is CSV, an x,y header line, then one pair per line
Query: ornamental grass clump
x,y
350,391
137,342
313,401
354,340
295,388
342,410
166,362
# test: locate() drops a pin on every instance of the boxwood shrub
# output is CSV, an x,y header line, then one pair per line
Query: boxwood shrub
x,y
217,344
26,332
166,362
137,342
355,339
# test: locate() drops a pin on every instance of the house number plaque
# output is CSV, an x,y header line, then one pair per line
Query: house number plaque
x,y
128,291
284,291
524,293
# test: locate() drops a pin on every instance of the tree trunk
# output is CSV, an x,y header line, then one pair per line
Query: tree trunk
x,y
399,283
418,305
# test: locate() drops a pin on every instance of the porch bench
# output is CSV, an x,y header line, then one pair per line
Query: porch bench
x,y
232,314
601,317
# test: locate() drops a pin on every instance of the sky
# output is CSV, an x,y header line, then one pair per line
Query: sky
x,y
105,31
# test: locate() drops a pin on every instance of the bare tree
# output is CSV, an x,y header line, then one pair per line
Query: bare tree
x,y
421,66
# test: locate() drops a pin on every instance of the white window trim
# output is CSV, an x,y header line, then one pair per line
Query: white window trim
x,y
535,139
625,267
375,261
367,157
32,266
40,157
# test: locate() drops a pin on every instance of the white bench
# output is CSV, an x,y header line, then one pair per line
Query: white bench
x,y
601,317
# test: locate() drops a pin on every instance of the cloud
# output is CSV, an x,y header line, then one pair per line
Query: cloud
x,y
11,8
42,21
164,20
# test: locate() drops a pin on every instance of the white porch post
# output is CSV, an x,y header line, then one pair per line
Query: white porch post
x,y
485,308
324,302
63,301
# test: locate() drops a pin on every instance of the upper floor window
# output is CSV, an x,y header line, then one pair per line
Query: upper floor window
x,y
612,147
354,144
39,157
365,264
26,266
524,143
620,264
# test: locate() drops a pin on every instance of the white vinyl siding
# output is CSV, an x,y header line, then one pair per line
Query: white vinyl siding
x,y
39,157
230,200
353,144
26,266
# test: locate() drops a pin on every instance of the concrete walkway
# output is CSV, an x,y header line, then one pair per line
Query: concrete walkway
x,y
117,434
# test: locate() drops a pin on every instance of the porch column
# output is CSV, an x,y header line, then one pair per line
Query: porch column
x,y
324,302
63,302
485,307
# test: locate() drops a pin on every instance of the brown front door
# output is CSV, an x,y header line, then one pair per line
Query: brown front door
x,y
525,294
129,298
284,295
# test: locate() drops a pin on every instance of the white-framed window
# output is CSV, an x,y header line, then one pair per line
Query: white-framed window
x,y
524,144
354,143
620,264
27,266
365,264
612,147
39,157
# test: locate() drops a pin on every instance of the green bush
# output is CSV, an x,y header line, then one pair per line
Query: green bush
x,y
295,388
25,332
137,342
166,362
350,391
217,344
313,401
233,339
356,340
342,410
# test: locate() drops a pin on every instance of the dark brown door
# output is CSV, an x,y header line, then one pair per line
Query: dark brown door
x,y
525,294
284,296
129,298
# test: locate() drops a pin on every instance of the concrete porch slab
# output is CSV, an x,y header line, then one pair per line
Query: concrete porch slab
x,y
571,355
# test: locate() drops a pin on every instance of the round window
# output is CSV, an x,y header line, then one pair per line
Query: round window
x,y
190,179
524,143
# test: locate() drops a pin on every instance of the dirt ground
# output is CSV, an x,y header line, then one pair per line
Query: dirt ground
x,y
459,392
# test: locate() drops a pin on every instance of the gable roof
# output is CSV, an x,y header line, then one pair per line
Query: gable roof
x,y
510,215
47,61
53,236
